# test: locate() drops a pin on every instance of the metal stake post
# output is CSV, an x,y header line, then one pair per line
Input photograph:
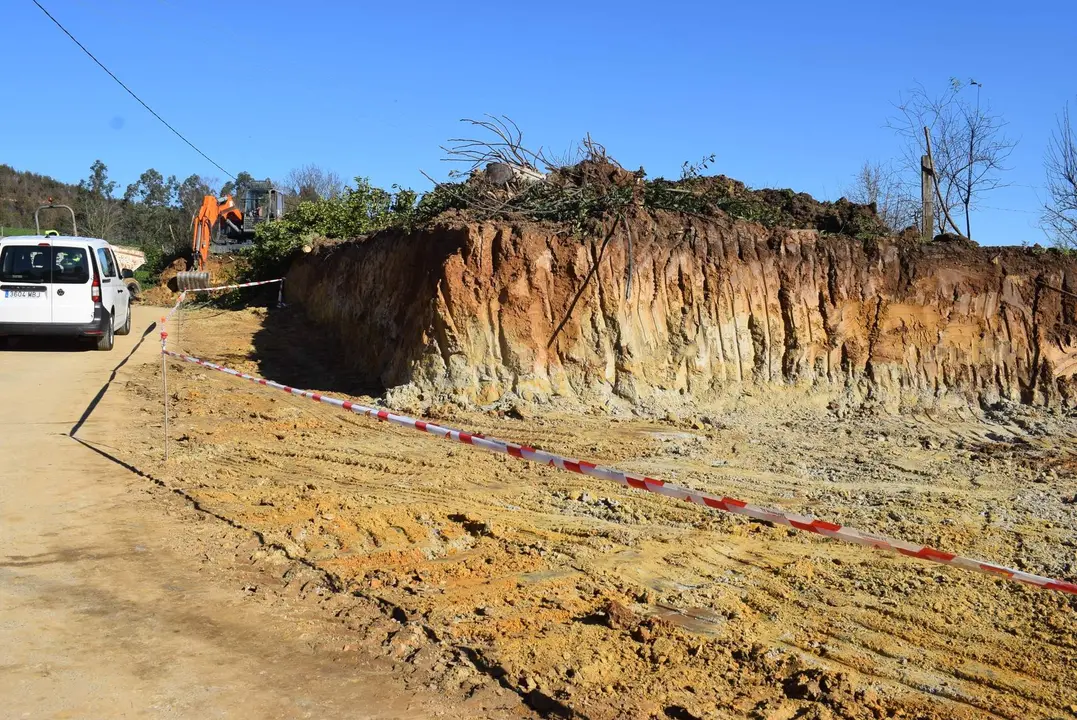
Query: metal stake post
x,y
164,385
164,381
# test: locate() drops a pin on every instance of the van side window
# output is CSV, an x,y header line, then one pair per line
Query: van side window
x,y
108,268
115,262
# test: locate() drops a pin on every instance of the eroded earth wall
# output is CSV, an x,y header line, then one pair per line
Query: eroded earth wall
x,y
705,306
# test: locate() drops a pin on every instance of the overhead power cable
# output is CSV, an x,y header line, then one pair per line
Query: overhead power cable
x,y
1029,212
130,91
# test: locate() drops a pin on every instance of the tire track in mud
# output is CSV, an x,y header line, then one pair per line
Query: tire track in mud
x,y
871,668
897,662
896,653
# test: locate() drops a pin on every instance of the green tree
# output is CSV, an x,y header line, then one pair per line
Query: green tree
x,y
358,211
192,191
98,182
238,187
152,189
153,219
101,213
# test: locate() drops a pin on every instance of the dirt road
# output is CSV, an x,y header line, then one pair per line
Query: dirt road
x,y
107,608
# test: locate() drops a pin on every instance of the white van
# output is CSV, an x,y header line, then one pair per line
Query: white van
x,y
62,286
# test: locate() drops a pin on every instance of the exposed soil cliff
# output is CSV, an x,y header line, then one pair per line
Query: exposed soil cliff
x,y
683,306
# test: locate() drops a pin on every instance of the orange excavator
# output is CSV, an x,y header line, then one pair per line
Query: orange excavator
x,y
220,226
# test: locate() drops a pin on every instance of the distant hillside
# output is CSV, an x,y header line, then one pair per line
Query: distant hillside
x,y
22,192
151,214
154,213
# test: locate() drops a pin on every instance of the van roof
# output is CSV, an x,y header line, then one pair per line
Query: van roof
x,y
39,239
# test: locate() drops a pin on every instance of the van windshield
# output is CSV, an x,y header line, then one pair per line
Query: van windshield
x,y
40,264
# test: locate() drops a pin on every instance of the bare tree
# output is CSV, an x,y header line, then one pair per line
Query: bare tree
x,y
311,182
1060,211
967,143
505,147
881,185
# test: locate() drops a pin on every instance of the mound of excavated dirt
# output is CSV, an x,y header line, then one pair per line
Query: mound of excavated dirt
x,y
597,174
677,307
168,275
800,210
223,269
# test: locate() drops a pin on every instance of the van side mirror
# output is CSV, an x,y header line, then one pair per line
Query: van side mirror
x,y
126,274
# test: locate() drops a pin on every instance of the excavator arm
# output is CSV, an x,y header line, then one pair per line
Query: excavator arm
x,y
213,210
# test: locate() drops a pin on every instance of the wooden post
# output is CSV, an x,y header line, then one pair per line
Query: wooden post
x,y
927,197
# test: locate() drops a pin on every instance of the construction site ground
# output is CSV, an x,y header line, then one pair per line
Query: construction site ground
x,y
490,587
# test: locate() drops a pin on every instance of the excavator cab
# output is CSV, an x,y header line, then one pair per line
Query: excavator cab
x,y
261,203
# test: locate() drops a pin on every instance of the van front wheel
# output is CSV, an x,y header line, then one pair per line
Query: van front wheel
x,y
106,341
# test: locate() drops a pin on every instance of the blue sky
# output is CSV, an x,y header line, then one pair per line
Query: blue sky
x,y
787,94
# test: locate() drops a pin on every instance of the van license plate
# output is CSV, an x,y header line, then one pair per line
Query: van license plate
x,y
23,294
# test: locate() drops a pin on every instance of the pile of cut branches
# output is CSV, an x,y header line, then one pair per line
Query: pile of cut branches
x,y
504,180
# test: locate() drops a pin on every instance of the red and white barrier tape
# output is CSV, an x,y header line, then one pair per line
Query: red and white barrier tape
x,y
640,482
163,325
234,287
183,296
